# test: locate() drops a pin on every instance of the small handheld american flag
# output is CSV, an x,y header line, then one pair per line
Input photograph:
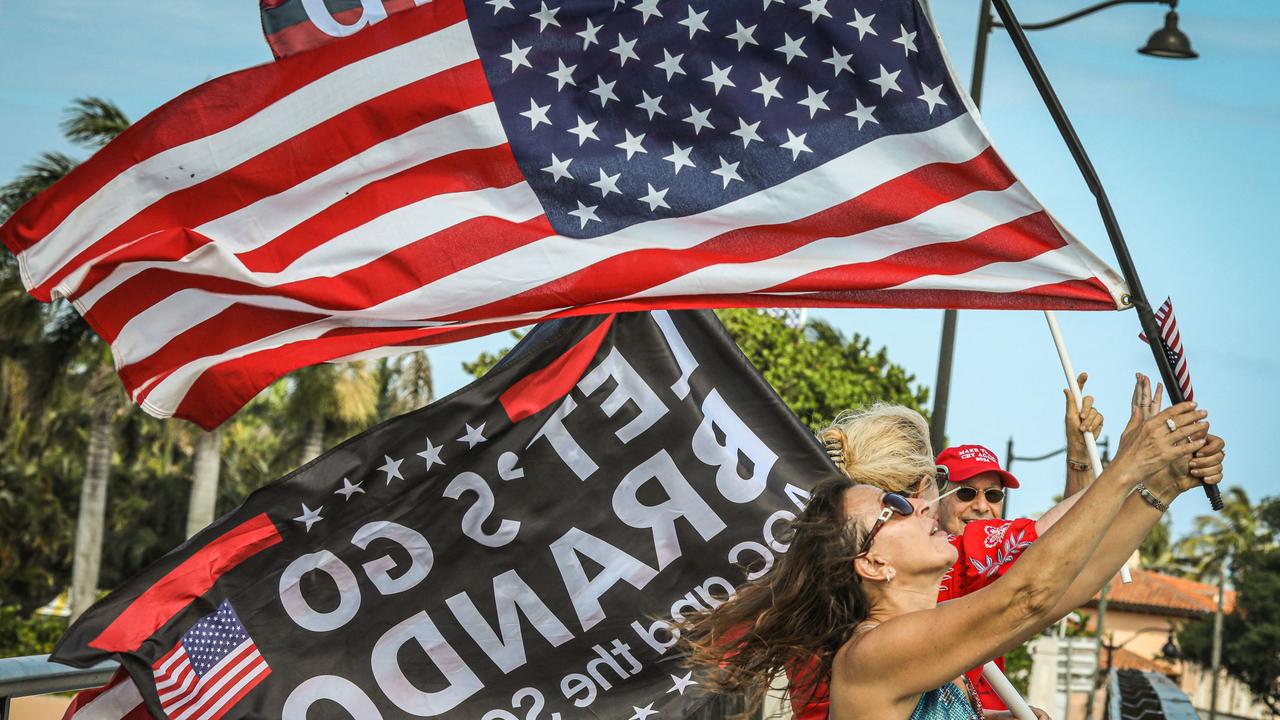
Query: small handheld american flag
x,y
1171,342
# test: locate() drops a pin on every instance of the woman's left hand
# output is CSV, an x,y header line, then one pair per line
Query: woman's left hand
x,y
1206,465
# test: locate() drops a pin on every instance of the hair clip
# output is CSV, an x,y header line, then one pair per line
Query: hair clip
x,y
835,451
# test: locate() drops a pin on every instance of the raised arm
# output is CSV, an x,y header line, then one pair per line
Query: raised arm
x,y
1139,515
1136,519
1079,471
1079,422
1021,603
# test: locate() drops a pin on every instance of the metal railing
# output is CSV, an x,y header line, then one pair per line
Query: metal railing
x,y
35,675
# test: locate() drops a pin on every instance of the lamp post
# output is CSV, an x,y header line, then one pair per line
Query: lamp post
x,y
1104,444
1167,42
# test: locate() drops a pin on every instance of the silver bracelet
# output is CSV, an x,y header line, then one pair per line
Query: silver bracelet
x,y
1150,497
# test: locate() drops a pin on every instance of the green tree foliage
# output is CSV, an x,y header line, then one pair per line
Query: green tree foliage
x,y
816,370
1251,632
1236,530
56,381
1156,549
24,634
485,362
1017,667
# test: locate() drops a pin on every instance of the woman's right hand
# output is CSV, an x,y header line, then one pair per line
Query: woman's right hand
x,y
1151,444
1142,406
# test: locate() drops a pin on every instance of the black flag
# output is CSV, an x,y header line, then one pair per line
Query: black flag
x,y
511,551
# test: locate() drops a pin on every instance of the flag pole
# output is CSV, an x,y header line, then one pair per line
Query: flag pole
x,y
1007,692
1090,444
1137,297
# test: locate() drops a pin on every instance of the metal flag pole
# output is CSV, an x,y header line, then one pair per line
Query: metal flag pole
x,y
1091,445
1137,297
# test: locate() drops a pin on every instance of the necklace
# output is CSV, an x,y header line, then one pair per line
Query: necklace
x,y
972,696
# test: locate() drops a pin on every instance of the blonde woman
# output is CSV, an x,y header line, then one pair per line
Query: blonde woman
x,y
890,449
857,592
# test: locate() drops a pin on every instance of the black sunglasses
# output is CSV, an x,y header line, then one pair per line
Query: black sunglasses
x,y
890,504
968,494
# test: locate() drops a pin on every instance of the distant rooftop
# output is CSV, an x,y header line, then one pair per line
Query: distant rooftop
x,y
1161,594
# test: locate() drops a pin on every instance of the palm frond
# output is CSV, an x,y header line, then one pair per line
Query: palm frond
x,y
355,390
413,384
1235,530
93,122
34,178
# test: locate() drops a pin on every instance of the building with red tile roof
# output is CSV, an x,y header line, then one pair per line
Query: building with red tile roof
x,y
1165,595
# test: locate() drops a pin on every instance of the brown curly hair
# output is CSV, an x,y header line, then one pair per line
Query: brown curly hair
x,y
805,608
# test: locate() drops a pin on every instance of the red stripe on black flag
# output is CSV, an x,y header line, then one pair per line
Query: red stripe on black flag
x,y
191,579
537,390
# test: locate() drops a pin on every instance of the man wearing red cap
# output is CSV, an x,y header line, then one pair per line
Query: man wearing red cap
x,y
972,506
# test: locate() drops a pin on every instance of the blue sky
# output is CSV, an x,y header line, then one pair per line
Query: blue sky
x,y
1188,151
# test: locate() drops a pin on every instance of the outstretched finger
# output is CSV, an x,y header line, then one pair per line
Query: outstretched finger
x,y
1142,391
1137,408
1159,395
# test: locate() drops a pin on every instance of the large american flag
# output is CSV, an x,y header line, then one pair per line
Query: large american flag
x,y
467,166
1171,344
214,665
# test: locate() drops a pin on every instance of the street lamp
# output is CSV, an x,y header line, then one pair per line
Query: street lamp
x,y
1167,42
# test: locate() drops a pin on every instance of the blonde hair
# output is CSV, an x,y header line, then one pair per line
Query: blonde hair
x,y
882,445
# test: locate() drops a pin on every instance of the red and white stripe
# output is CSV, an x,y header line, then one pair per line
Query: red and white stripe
x,y
186,695
363,195
119,699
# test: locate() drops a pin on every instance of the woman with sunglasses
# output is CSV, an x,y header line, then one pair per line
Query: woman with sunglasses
x,y
857,589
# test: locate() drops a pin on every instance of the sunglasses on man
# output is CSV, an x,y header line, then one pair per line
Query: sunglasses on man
x,y
964,493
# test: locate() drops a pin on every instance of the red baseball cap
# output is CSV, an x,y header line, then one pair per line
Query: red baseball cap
x,y
966,461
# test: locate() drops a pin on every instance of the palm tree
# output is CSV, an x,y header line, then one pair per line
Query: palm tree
x,y
406,383
1219,536
1157,549
332,397
204,482
51,345
1229,533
